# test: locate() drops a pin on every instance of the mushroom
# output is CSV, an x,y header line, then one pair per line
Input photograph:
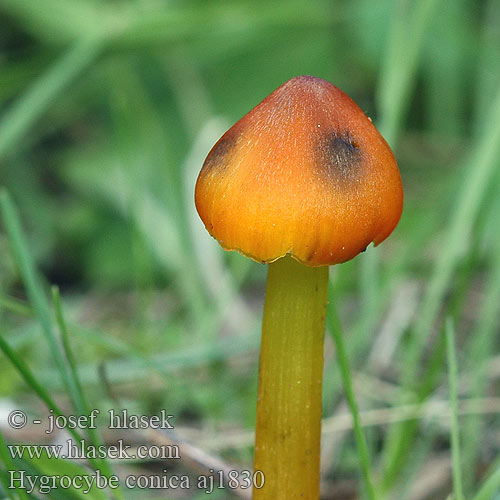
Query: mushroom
x,y
301,182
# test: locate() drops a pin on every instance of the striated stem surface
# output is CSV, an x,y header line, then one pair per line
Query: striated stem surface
x,y
288,431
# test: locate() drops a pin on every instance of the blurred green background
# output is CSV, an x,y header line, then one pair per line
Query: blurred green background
x,y
107,111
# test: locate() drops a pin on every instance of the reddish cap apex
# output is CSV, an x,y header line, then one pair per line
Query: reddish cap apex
x,y
304,173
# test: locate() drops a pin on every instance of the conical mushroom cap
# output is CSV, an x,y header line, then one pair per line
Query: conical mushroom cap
x,y
304,173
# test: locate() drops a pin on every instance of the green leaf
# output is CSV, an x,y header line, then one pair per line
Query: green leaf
x,y
58,467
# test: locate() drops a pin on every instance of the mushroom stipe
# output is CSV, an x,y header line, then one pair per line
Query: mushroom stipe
x,y
303,181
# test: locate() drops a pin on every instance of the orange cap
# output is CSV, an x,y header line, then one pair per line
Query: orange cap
x,y
304,173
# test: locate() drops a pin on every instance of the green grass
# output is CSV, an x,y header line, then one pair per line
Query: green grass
x,y
458,492
24,113
345,372
107,110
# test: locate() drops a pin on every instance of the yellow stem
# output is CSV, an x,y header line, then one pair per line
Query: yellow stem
x,y
288,431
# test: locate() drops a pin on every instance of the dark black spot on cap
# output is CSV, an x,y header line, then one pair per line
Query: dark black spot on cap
x,y
220,154
339,155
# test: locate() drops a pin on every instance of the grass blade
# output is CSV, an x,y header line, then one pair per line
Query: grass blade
x,y
15,306
29,107
477,175
9,465
479,347
36,294
31,381
398,74
83,407
479,171
345,372
394,88
491,484
34,289
29,378
80,402
455,433
43,394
